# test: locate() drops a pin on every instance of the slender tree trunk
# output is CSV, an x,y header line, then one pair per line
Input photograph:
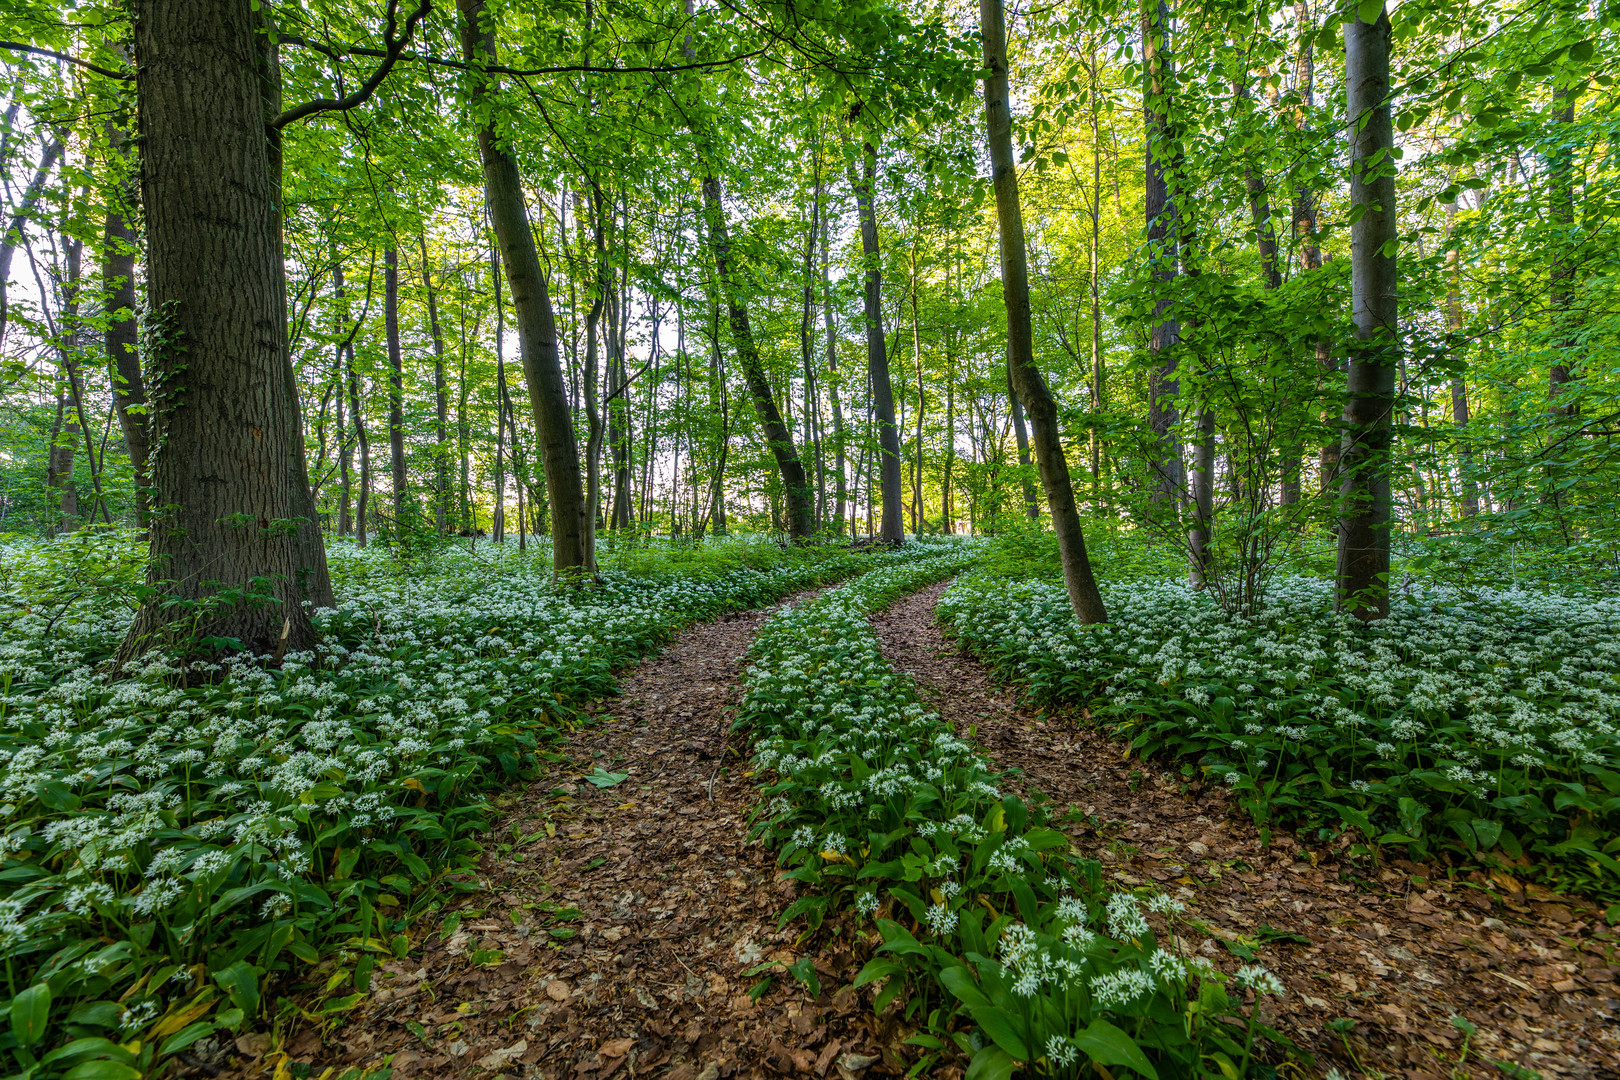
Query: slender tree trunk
x,y
919,521
363,502
1032,506
345,453
1304,226
19,220
1459,391
877,357
1366,511
840,465
1027,380
398,475
498,524
1163,385
119,245
234,509
1561,279
531,299
441,393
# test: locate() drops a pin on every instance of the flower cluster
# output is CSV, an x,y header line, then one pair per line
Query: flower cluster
x,y
1478,719
255,811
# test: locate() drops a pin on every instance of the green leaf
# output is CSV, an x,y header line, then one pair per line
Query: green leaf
x,y
30,1010
185,1037
603,779
991,1063
241,982
102,1069
1002,1029
1108,1045
1368,10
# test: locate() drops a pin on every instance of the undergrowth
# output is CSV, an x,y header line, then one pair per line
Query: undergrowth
x,y
171,851
998,941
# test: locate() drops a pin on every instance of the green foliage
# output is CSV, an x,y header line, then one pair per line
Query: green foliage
x,y
181,840
1474,725
985,913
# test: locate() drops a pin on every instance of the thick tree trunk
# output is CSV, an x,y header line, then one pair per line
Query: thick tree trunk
x,y
1366,513
1027,380
893,526
1163,385
234,511
537,325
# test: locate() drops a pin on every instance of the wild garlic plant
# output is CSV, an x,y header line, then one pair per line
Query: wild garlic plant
x,y
169,845
1483,721
983,912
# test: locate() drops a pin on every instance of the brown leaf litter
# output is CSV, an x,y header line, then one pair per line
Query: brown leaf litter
x,y
1399,949
615,935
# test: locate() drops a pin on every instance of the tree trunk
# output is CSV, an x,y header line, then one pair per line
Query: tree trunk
x,y
877,356
363,502
1032,507
1027,380
441,452
531,299
119,245
1366,511
1459,390
399,476
840,465
19,220
1163,385
1561,278
234,511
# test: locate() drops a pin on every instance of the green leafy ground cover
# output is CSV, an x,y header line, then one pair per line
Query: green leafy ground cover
x,y
999,941
169,849
1473,723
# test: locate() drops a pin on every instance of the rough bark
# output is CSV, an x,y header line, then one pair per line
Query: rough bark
x,y
234,537
531,300
1027,380
1365,514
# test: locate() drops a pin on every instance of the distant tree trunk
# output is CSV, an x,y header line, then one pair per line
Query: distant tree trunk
x,y
1095,212
232,497
399,476
498,522
363,502
345,453
537,326
119,245
65,437
893,525
19,220
1163,385
1459,390
1027,380
441,452
840,465
1561,212
919,521
1366,513
1304,226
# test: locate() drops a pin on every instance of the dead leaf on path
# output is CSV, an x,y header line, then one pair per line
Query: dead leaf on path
x,y
557,990
615,1047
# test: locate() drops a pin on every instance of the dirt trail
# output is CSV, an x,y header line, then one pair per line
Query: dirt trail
x,y
1401,955
673,909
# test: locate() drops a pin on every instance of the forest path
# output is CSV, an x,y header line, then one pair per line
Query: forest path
x,y
1400,956
664,905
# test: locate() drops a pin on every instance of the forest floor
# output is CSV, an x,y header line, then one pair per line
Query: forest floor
x,y
619,928
667,906
1400,953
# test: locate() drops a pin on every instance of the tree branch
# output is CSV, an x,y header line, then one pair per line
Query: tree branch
x,y
17,46
390,56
